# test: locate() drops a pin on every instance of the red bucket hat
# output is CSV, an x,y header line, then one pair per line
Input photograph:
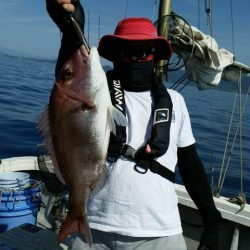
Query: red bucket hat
x,y
134,29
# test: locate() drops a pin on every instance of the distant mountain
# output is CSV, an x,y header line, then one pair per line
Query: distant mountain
x,y
17,53
12,52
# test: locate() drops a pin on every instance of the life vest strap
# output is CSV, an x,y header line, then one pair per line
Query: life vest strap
x,y
143,165
156,168
160,133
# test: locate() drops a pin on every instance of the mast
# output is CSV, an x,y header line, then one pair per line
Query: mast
x,y
165,7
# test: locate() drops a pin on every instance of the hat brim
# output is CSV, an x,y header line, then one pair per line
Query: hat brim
x,y
110,43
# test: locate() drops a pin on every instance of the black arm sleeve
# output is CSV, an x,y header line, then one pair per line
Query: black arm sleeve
x,y
196,182
70,39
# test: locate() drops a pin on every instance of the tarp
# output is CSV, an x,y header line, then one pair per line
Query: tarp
x,y
204,60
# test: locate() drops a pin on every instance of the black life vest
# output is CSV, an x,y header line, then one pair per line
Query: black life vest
x,y
160,133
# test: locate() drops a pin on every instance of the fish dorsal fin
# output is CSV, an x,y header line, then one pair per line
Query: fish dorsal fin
x,y
44,130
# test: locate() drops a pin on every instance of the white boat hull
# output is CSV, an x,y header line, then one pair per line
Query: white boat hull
x,y
235,228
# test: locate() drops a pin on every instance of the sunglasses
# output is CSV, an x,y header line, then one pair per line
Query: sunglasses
x,y
141,52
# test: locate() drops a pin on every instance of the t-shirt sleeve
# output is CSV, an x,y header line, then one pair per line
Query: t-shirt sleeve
x,y
186,137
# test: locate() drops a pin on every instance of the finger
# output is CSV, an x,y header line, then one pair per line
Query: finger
x,y
69,7
63,1
148,149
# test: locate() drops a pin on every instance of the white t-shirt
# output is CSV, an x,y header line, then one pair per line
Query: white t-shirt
x,y
142,205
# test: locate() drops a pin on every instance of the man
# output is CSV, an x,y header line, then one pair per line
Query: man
x,y
137,207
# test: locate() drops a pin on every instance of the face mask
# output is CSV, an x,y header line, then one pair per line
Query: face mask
x,y
135,76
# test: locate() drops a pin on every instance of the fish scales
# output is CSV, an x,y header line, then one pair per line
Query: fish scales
x,y
76,127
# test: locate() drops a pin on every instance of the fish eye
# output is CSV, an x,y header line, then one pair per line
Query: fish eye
x,y
68,74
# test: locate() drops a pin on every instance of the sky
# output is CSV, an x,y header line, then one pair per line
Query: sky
x,y
27,28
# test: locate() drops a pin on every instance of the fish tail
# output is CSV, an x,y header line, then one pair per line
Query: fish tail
x,y
74,224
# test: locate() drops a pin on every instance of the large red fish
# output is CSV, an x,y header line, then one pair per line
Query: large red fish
x,y
76,128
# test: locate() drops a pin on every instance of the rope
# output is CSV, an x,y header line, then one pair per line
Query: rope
x,y
222,177
179,81
240,127
208,8
232,25
198,15
208,5
241,199
154,10
211,139
184,85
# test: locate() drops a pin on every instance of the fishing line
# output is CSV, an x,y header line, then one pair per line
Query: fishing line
x,y
79,32
126,9
88,26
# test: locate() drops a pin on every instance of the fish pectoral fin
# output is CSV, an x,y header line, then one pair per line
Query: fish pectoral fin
x,y
116,116
74,224
101,181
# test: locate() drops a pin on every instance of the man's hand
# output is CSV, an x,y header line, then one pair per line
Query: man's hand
x,y
66,4
59,11
210,239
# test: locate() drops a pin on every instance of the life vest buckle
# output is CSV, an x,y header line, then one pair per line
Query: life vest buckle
x,y
140,169
128,151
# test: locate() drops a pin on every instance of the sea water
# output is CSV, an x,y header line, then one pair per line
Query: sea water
x,y
25,86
